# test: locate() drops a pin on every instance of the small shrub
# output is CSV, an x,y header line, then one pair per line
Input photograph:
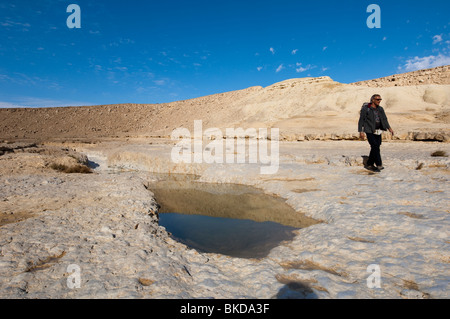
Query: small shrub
x,y
44,263
439,154
75,169
146,282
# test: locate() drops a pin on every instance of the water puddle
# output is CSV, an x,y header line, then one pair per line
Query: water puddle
x,y
228,219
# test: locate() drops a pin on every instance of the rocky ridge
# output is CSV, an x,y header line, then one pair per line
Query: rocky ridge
x,y
439,75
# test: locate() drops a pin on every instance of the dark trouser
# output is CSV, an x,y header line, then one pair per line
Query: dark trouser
x,y
375,155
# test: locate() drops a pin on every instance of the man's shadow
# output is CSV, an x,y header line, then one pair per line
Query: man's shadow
x,y
296,290
365,159
92,164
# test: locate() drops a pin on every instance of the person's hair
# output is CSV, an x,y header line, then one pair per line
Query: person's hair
x,y
374,96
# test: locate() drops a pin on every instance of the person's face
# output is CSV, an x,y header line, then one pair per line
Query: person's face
x,y
377,100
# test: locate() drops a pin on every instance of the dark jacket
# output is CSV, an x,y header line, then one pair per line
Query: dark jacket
x,y
366,121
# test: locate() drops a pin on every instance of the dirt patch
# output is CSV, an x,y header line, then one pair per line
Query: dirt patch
x,y
44,263
28,159
361,240
14,217
411,215
310,265
80,169
305,190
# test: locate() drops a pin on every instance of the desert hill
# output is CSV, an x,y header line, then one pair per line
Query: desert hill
x,y
417,104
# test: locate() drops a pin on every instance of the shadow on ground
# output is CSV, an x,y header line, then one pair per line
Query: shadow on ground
x,y
296,290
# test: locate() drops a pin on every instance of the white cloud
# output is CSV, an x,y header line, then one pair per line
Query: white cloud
x,y
324,48
427,62
437,38
8,105
301,69
281,67
32,102
10,23
294,52
159,82
121,41
259,68
141,90
272,50
23,79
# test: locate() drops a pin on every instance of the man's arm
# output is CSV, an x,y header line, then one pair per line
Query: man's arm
x,y
362,116
387,122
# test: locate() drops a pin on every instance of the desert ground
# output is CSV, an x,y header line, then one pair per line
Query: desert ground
x,y
74,194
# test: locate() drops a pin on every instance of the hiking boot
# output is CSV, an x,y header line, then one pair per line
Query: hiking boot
x,y
373,168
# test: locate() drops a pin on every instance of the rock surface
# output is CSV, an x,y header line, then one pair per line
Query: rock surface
x,y
104,227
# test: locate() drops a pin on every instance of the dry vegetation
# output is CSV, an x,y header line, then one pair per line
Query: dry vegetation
x,y
439,154
311,265
74,169
44,263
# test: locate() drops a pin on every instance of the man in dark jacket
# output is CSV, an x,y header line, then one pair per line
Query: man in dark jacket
x,y
372,121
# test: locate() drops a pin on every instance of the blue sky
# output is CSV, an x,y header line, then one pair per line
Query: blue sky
x,y
150,51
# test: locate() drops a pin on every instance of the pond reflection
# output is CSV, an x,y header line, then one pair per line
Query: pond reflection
x,y
228,219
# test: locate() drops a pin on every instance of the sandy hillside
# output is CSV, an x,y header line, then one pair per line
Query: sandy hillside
x,y
417,104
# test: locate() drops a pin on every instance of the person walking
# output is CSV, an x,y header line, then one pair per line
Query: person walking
x,y
372,122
